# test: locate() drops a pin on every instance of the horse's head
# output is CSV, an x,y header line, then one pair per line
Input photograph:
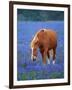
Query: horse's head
x,y
34,47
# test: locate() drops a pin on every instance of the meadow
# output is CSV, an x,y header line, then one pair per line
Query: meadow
x,y
26,68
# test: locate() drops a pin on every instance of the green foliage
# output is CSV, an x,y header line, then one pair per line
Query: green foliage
x,y
32,75
55,75
39,15
24,76
24,65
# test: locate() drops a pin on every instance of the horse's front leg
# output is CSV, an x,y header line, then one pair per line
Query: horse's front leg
x,y
44,56
43,51
54,55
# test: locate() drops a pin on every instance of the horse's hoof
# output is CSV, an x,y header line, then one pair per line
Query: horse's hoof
x,y
48,61
53,62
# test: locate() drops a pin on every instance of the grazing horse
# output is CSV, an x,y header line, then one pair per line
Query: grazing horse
x,y
46,41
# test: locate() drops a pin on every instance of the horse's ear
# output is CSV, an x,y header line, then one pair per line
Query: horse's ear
x,y
42,30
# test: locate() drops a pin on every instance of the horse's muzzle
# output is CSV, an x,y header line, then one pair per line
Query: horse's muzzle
x,y
33,58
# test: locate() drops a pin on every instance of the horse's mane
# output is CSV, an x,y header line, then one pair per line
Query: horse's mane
x,y
34,40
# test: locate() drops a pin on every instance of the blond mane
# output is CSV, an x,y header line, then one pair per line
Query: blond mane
x,y
35,39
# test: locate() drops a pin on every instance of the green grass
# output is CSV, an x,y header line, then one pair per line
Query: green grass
x,y
56,75
32,74
24,76
24,65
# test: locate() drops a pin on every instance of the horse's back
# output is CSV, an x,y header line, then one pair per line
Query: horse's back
x,y
48,35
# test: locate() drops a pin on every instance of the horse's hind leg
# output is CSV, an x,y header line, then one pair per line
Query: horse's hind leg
x,y
48,57
54,55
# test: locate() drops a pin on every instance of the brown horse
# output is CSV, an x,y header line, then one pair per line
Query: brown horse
x,y
46,41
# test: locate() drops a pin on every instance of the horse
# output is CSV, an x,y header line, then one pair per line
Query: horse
x,y
46,41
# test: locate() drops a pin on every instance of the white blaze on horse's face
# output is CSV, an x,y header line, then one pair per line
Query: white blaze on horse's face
x,y
32,54
34,48
33,57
